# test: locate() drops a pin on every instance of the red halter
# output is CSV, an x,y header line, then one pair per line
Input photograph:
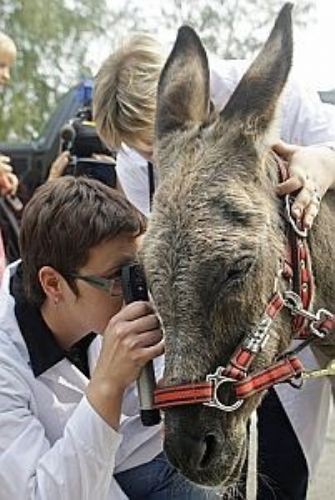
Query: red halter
x,y
306,325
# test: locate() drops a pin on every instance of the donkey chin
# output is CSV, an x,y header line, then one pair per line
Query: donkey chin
x,y
206,455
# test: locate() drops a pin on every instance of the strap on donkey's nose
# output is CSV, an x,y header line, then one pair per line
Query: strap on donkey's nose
x,y
206,392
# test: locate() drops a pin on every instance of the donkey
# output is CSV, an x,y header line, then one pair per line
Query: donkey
x,y
215,240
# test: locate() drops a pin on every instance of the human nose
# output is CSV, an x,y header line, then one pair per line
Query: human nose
x,y
5,74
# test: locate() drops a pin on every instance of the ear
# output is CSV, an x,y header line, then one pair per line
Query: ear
x,y
183,89
254,101
51,283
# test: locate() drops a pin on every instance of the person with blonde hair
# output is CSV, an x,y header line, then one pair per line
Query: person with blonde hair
x,y
8,180
125,95
124,107
8,53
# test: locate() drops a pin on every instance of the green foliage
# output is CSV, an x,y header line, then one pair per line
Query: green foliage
x,y
232,29
52,38
55,36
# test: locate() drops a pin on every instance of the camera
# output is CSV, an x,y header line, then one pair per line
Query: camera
x,y
80,138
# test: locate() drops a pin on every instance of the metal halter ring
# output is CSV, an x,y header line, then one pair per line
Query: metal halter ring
x,y
217,380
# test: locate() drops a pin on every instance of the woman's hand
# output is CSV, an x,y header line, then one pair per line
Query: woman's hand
x,y
132,338
312,171
8,180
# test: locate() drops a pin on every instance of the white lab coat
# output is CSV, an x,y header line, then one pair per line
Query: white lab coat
x,y
305,121
53,444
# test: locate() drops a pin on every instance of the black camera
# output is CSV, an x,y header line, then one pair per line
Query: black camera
x,y
80,138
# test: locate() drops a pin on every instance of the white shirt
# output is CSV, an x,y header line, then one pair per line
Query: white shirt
x,y
305,121
53,444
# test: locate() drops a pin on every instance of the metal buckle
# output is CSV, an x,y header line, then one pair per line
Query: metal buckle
x,y
217,380
294,303
303,233
320,315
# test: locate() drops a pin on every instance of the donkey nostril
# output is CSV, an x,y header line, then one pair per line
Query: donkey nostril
x,y
209,450
192,452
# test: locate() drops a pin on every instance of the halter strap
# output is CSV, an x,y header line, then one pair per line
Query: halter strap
x,y
297,269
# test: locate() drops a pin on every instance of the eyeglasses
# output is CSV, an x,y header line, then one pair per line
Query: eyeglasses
x,y
113,286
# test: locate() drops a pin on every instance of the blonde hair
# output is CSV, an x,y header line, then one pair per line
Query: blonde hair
x,y
7,43
124,103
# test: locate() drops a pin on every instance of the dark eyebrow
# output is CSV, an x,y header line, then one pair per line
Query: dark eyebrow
x,y
115,269
111,272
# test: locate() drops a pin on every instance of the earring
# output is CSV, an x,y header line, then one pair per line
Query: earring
x,y
56,301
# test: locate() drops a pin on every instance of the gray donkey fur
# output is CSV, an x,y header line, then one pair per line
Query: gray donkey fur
x,y
216,238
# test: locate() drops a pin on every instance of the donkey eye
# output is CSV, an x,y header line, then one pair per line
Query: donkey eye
x,y
234,275
238,271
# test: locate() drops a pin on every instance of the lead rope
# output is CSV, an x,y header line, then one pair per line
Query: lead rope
x,y
252,467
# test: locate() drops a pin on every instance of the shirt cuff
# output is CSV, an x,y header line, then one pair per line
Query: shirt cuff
x,y
95,435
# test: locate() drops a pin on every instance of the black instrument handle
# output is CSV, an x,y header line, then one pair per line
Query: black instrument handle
x,y
134,288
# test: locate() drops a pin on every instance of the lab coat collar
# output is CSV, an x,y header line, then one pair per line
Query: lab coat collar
x,y
44,352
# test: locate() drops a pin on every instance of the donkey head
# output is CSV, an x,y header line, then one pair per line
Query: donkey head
x,y
213,248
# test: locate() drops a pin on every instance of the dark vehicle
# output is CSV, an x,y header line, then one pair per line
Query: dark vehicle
x,y
32,160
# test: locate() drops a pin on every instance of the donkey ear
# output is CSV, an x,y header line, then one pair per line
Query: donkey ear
x,y
183,89
254,101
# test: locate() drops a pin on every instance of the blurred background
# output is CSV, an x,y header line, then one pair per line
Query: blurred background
x,y
61,44
62,41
